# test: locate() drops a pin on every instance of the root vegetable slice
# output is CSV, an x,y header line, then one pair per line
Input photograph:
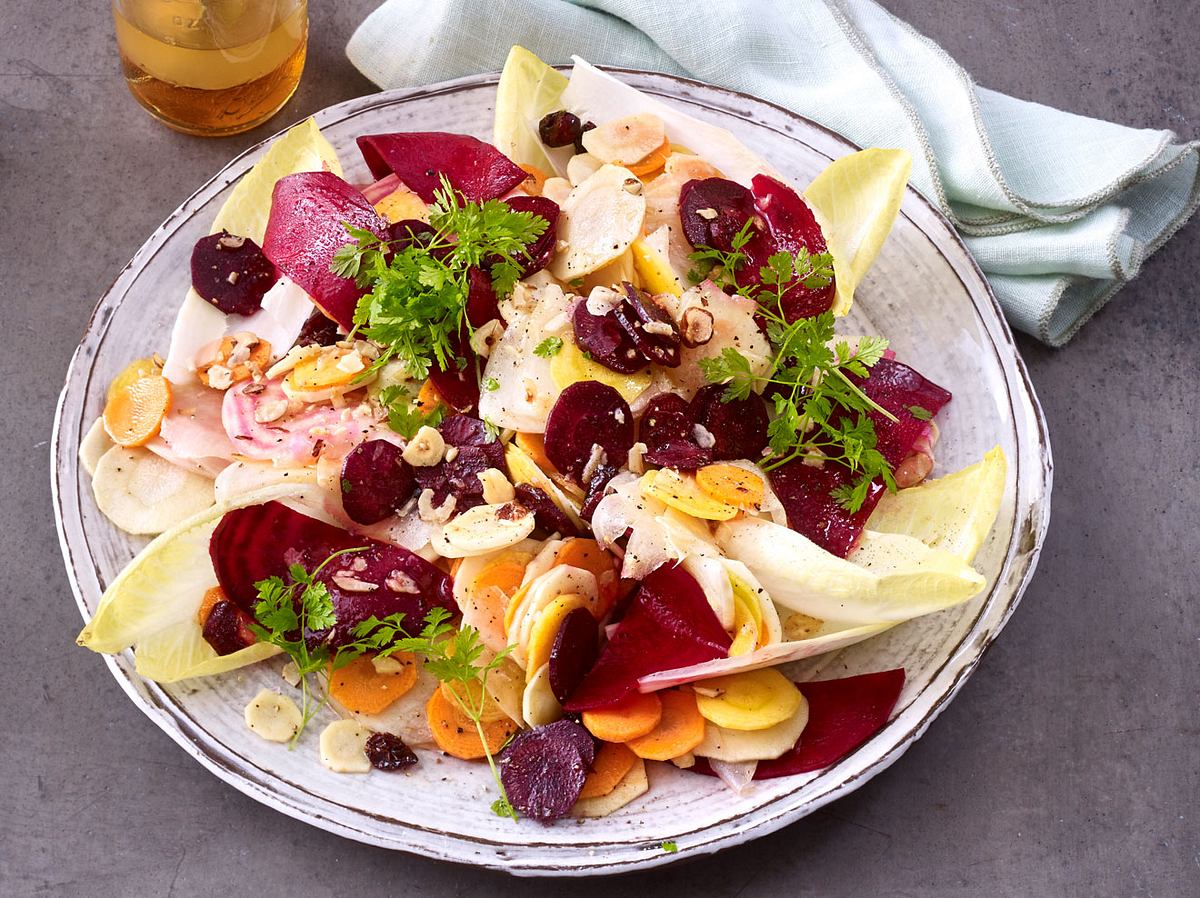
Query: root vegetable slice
x,y
272,716
632,717
545,630
613,761
455,733
599,220
731,484
628,139
93,446
344,747
681,492
576,646
142,493
753,745
538,704
134,371
484,529
526,468
680,729
752,700
362,688
543,770
633,785
134,413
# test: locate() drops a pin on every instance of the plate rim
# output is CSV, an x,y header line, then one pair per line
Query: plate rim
x,y
1020,561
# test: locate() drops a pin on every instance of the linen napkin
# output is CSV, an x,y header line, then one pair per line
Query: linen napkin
x,y
1060,210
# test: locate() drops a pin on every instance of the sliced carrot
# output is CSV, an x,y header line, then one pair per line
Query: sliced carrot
x,y
504,574
613,761
211,597
632,717
135,370
361,688
680,729
653,161
731,485
534,445
588,555
256,360
134,413
455,733
537,178
428,398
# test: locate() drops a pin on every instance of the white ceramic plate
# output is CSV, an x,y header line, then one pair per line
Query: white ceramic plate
x,y
924,292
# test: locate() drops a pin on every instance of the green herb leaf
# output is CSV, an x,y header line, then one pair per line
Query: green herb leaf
x,y
920,413
549,347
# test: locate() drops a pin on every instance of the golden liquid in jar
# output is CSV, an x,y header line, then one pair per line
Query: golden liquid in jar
x,y
212,67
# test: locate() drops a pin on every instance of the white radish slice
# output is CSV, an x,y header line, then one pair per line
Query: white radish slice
x,y
625,140
484,529
581,167
737,775
142,493
273,716
93,445
538,705
242,477
344,747
406,715
633,784
738,746
599,220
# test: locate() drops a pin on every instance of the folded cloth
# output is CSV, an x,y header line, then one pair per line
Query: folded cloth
x,y
1060,210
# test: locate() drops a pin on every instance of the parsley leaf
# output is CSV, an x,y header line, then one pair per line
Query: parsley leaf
x,y
405,415
670,847
549,347
920,413
491,385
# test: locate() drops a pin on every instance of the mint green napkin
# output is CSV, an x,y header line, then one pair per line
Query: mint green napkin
x,y
1060,210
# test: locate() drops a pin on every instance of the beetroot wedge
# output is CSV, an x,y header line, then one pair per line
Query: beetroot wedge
x,y
260,541
807,496
792,227
842,715
305,230
899,389
669,624
475,169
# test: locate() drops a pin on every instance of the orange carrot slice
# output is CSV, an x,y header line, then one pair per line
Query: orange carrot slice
x,y
534,445
455,733
361,688
588,555
211,597
428,398
134,413
537,178
135,370
731,485
652,162
613,761
632,717
680,729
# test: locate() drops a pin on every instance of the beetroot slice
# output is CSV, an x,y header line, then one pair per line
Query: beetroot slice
x,y
225,628
605,340
231,273
459,476
726,207
667,430
318,330
458,386
259,541
807,496
475,169
792,226
543,770
898,388
376,481
548,516
575,649
739,428
587,414
595,489
541,250
306,229
639,311
668,624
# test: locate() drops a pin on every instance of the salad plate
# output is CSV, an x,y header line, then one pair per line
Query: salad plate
x,y
924,292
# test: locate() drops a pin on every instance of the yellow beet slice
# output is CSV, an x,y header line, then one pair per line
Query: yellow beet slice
x,y
752,700
135,370
134,413
545,629
569,366
680,491
731,485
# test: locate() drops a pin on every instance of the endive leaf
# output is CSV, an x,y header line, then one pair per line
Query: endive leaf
x,y
528,89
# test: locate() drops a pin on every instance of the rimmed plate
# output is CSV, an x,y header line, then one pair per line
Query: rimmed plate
x,y
925,293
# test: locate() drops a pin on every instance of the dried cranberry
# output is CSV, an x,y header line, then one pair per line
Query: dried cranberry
x,y
387,751
560,129
738,428
588,414
649,327
225,628
231,273
595,489
549,517
376,481
603,338
318,330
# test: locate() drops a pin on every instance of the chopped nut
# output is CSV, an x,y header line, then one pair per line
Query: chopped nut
x,y
387,665
496,487
220,377
271,410
398,581
351,363
707,214
637,463
342,580
703,436
428,513
230,241
451,453
696,327
595,460
632,185
485,337
658,328
425,449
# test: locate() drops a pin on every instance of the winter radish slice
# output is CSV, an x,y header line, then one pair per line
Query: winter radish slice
x,y
376,481
574,652
669,624
543,770
309,212
541,250
142,493
475,169
588,414
738,428
231,273
842,715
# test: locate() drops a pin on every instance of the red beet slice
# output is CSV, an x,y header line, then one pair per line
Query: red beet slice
x,y
842,715
318,330
543,769
792,226
898,388
603,338
587,414
376,481
595,489
548,516
458,386
482,305
649,327
807,496
305,230
713,210
542,249
231,273
575,650
668,624
459,476
225,628
387,751
738,427
260,541
668,432
475,169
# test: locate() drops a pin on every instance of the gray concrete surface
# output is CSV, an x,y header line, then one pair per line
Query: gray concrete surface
x,y
1068,764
